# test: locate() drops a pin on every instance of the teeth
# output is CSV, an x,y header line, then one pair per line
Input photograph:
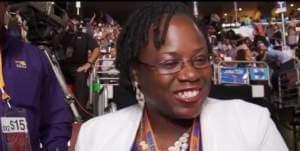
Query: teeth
x,y
187,94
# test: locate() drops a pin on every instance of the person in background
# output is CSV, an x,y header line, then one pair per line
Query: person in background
x,y
276,38
77,63
259,35
14,25
92,25
163,60
245,55
32,86
212,35
269,31
250,45
278,61
225,46
275,58
292,37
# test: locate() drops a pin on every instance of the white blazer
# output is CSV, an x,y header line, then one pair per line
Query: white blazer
x,y
226,125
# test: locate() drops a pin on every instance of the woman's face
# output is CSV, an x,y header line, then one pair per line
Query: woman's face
x,y
178,95
249,55
262,47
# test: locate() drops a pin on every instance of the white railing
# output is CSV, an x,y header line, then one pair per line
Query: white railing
x,y
103,78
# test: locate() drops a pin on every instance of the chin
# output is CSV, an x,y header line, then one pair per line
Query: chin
x,y
187,113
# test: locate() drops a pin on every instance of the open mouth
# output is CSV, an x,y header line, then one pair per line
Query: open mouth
x,y
188,96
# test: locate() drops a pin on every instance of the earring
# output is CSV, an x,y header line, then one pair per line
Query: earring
x,y
138,93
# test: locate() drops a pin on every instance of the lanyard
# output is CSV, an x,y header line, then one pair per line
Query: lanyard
x,y
149,132
4,95
195,143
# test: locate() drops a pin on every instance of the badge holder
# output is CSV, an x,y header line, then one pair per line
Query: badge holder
x,y
14,130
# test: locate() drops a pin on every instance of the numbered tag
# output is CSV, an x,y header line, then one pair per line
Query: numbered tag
x,y
14,131
13,125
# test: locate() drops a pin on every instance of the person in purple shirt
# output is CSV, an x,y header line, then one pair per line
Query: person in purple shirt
x,y
33,86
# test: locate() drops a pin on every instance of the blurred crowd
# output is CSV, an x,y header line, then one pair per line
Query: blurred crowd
x,y
238,44
105,33
250,42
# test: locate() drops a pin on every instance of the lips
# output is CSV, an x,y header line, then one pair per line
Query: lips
x,y
191,95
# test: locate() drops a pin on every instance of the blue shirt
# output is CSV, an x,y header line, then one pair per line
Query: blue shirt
x,y
31,84
277,56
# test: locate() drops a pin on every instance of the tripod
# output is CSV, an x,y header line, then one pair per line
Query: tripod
x,y
70,98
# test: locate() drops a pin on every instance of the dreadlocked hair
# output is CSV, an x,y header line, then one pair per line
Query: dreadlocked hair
x,y
134,36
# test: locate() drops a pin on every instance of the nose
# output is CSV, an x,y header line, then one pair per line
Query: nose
x,y
188,73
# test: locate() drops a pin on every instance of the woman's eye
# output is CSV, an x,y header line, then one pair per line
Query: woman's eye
x,y
200,61
168,64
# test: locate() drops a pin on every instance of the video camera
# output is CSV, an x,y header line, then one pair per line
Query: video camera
x,y
46,29
46,22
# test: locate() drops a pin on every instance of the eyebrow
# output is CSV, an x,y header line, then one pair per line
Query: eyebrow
x,y
200,50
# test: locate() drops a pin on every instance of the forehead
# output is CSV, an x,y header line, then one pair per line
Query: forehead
x,y
183,30
182,36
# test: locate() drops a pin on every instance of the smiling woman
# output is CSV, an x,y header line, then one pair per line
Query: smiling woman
x,y
182,68
163,61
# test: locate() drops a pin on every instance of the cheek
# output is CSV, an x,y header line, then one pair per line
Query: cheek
x,y
206,74
206,81
155,85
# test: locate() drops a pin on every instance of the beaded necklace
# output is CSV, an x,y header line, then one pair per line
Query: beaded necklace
x,y
187,142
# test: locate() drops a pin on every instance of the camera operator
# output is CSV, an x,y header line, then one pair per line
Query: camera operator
x,y
14,25
77,61
32,105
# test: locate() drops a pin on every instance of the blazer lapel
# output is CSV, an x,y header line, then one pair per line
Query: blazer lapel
x,y
207,132
131,128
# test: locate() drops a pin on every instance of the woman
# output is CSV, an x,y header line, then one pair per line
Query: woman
x,y
163,60
245,54
225,45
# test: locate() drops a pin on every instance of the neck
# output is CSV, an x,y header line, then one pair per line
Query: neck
x,y
167,130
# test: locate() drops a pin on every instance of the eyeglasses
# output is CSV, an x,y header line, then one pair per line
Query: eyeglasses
x,y
174,66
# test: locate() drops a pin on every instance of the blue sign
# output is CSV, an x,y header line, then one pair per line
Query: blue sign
x,y
259,73
281,4
281,7
234,75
